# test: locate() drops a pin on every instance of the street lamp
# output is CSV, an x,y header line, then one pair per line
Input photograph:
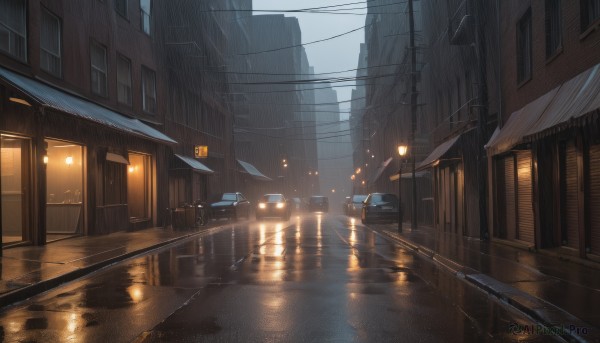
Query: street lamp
x,y
402,150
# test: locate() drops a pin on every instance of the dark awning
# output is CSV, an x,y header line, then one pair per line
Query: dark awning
x,y
116,158
408,175
250,169
380,170
438,153
195,165
53,98
567,105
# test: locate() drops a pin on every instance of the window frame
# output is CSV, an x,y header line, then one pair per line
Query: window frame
x,y
124,14
145,97
20,32
123,58
93,68
553,25
43,50
146,15
588,23
524,48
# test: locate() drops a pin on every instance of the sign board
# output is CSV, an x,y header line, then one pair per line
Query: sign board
x,y
201,151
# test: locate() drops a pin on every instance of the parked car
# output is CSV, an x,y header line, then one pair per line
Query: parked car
x,y
230,206
274,205
379,207
318,203
355,204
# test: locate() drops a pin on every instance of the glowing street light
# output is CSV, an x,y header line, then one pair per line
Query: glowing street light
x,y
402,150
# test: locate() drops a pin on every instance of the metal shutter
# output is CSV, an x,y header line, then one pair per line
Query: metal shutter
x,y
594,188
509,191
572,203
525,197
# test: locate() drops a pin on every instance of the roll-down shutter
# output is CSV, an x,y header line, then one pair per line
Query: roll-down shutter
x,y
572,203
509,191
525,197
594,189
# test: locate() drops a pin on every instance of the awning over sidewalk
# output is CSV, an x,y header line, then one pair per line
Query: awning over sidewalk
x,y
380,170
419,174
250,169
438,153
561,107
195,165
61,101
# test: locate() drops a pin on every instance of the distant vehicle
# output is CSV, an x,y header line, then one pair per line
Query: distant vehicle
x,y
379,207
274,205
318,203
230,206
346,204
355,204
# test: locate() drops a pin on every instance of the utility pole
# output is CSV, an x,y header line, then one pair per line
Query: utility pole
x,y
413,110
482,113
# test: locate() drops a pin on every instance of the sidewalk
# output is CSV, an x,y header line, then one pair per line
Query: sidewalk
x,y
554,292
29,270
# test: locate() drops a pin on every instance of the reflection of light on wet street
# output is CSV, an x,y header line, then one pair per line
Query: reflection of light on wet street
x,y
136,293
352,221
319,231
263,238
72,323
278,249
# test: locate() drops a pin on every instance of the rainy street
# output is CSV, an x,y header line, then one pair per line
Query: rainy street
x,y
315,278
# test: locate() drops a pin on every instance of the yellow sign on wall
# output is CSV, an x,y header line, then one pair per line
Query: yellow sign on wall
x,y
201,151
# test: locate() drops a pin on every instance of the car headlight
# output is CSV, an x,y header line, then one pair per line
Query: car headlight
x,y
262,205
280,205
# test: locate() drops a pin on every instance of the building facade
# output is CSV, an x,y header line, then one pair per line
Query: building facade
x,y
101,111
544,155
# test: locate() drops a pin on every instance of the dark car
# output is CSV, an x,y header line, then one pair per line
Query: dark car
x,y
318,203
355,204
379,207
230,206
274,205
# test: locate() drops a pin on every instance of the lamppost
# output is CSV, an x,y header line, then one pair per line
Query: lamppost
x,y
402,150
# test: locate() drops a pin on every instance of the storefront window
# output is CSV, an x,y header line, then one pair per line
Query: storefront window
x,y
138,186
64,175
15,186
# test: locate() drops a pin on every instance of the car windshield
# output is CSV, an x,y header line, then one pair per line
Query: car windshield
x,y
272,198
359,198
384,198
229,197
318,200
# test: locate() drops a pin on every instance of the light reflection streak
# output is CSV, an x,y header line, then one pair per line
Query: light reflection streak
x,y
319,231
263,239
136,293
72,323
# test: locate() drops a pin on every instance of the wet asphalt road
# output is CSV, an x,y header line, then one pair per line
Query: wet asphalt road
x,y
315,278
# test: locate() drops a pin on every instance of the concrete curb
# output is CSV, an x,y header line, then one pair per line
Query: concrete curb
x,y
28,291
545,313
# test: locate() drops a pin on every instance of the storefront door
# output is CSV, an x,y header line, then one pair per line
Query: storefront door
x,y
15,166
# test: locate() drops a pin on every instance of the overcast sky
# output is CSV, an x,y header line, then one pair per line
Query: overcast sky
x,y
333,55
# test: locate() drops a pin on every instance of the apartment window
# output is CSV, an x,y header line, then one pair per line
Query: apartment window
x,y
553,27
148,90
121,7
50,44
524,47
13,28
590,13
124,80
99,69
145,11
